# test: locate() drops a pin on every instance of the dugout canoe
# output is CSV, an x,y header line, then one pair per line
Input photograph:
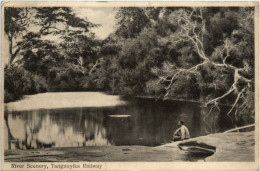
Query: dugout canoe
x,y
197,147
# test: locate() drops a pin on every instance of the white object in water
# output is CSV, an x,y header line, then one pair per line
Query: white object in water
x,y
119,116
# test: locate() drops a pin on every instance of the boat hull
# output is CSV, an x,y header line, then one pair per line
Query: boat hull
x,y
197,147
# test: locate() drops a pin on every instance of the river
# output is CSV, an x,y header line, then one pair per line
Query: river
x,y
76,119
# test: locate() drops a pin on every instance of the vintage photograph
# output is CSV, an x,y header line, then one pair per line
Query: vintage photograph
x,y
129,84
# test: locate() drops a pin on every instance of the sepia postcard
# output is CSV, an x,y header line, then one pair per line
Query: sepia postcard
x,y
129,85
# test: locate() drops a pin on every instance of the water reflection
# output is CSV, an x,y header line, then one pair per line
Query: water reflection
x,y
151,123
55,128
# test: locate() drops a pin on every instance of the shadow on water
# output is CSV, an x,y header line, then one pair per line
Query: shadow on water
x,y
152,123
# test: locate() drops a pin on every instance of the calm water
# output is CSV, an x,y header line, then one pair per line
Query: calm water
x,y
83,119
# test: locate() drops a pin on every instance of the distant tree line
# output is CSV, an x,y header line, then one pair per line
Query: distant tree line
x,y
201,54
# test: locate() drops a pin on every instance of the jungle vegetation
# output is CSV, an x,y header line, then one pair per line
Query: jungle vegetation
x,y
200,54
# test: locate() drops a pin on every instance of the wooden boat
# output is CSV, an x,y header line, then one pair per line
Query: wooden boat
x,y
203,148
197,147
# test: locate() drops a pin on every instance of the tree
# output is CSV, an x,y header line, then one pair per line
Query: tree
x,y
229,55
16,21
46,21
81,52
57,20
130,21
47,41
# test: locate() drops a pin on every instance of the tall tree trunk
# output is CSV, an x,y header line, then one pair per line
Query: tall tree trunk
x,y
10,50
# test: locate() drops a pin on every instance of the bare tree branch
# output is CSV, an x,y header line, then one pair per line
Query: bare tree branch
x,y
238,97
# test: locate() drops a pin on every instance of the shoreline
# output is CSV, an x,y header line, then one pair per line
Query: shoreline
x,y
122,95
237,146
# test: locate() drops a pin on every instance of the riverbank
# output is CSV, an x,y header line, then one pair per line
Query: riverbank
x,y
230,147
233,146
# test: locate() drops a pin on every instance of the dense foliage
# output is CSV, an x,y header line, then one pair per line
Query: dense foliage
x,y
201,54
52,44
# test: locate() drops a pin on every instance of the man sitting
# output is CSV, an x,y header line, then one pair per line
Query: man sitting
x,y
181,133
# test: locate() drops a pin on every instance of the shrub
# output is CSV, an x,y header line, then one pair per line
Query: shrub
x,y
18,82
